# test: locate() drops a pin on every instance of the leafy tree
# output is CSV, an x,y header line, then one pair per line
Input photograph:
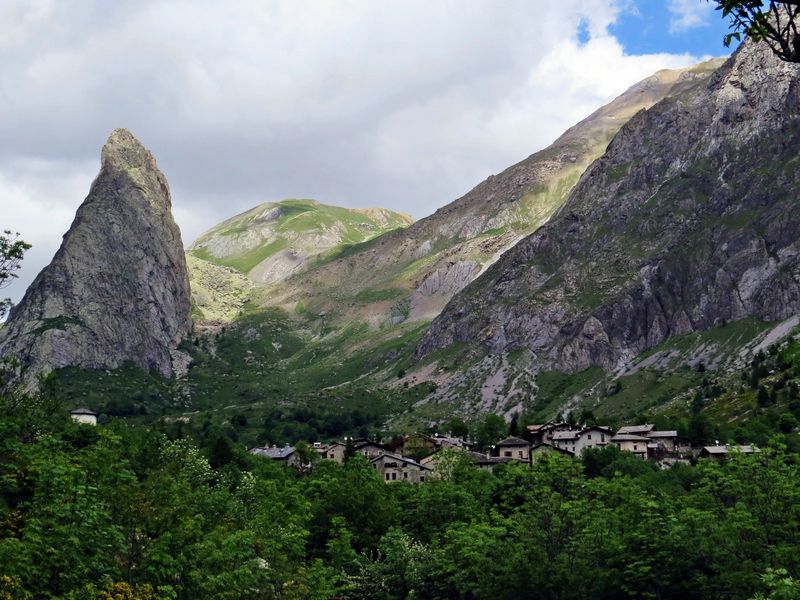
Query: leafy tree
x,y
492,429
513,426
12,249
772,22
458,428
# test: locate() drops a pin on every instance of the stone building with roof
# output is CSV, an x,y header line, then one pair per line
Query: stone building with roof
x,y
514,448
393,468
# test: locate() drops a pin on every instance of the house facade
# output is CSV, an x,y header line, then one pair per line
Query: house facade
x,y
393,468
577,440
636,444
514,448
415,444
285,455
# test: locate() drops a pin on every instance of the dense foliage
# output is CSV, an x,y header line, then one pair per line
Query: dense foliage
x,y
117,511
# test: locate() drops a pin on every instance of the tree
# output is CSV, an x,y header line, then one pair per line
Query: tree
x,y
772,22
492,429
458,428
12,250
513,426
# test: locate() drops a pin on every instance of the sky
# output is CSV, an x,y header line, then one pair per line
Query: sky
x,y
403,104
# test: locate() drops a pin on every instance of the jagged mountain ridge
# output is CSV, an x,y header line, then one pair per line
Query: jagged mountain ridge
x,y
410,274
687,222
117,289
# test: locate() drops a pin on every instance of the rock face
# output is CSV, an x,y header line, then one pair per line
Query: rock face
x,y
687,222
427,263
117,290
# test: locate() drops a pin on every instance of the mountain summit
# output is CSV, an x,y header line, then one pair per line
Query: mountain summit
x,y
117,290
689,221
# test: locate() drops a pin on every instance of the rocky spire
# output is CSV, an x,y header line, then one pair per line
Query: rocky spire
x,y
117,290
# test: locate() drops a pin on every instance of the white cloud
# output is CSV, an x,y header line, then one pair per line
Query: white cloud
x,y
355,102
688,14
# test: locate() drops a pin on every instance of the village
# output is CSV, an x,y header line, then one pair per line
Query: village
x,y
417,457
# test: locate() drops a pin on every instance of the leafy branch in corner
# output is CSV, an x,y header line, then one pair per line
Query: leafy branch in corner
x,y
772,22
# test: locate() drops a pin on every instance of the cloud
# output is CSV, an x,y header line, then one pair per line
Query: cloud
x,y
688,14
357,102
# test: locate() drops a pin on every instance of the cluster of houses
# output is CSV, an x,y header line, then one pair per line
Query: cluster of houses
x,y
414,458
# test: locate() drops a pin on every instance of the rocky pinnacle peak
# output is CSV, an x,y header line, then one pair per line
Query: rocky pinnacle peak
x,y
123,150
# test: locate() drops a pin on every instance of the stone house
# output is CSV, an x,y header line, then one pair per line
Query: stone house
x,y
668,442
543,433
721,452
370,449
486,462
393,468
444,442
285,455
333,451
415,444
637,444
642,430
514,448
577,440
83,415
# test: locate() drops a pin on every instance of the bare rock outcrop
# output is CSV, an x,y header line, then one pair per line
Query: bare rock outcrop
x,y
117,290
687,222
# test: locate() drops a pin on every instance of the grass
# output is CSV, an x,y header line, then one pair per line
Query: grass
x,y
379,295
57,323
300,217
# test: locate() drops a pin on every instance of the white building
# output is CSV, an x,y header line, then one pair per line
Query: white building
x,y
83,415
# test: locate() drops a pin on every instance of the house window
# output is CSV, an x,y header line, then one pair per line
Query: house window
x,y
588,437
394,476
603,437
422,477
520,453
387,477
507,453
405,475
635,447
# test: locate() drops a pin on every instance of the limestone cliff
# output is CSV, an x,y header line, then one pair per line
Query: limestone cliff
x,y
688,221
117,290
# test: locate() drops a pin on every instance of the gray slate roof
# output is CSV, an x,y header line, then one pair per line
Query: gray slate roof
x,y
83,411
636,429
663,434
627,437
273,452
723,449
399,458
513,441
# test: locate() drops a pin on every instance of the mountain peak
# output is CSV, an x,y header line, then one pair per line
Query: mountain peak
x,y
123,150
117,290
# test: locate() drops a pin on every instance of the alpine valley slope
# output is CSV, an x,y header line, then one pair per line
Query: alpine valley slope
x,y
687,224
117,290
409,274
283,319
352,313
269,243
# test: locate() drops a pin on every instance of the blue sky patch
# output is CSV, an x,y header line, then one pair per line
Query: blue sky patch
x,y
649,27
